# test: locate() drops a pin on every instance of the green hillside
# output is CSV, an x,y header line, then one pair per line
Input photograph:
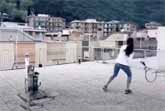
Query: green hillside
x,y
139,11
17,10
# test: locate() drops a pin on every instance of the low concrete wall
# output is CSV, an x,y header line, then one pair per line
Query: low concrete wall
x,y
6,55
22,49
71,52
56,53
40,54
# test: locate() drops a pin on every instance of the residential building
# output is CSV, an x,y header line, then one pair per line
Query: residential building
x,y
111,27
152,25
89,26
108,48
152,33
127,27
118,26
91,30
101,30
55,24
145,39
39,21
51,24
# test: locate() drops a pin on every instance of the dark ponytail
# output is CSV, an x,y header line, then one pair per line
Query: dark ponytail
x,y
130,46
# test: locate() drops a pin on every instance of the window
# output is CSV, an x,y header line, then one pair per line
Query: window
x,y
85,43
120,43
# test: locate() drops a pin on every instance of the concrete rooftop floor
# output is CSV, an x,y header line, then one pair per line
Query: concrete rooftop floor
x,y
78,87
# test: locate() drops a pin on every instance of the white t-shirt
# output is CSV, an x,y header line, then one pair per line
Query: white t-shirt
x,y
122,57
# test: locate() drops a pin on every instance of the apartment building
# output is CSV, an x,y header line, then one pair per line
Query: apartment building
x,y
89,27
128,27
101,29
51,24
111,27
55,24
152,25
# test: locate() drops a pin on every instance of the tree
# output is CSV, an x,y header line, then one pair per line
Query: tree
x,y
16,9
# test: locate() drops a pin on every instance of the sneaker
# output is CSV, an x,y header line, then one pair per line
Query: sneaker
x,y
105,89
128,91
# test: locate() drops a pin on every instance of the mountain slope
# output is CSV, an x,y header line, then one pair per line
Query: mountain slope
x,y
139,11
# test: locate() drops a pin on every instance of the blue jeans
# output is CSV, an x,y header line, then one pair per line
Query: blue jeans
x,y
125,68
